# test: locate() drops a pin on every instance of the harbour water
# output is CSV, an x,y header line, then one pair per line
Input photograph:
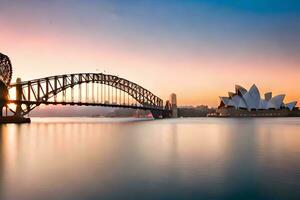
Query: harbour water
x,y
200,158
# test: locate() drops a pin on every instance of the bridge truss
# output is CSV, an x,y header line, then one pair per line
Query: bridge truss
x,y
89,89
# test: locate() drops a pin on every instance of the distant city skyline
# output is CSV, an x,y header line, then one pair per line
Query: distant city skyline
x,y
196,49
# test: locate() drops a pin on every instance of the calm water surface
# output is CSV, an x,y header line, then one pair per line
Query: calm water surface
x,y
82,158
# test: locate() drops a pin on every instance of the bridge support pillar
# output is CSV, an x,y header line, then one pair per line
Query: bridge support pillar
x,y
18,98
3,97
3,104
173,102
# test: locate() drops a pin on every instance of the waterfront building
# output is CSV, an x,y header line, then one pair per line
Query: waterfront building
x,y
245,102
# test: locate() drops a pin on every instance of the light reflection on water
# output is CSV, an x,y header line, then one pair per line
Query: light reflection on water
x,y
205,158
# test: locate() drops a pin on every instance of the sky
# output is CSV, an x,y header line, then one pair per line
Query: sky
x,y
198,49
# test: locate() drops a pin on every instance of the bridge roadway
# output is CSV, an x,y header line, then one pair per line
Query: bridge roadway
x,y
140,107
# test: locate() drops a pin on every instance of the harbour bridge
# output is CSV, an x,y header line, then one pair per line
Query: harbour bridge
x,y
81,89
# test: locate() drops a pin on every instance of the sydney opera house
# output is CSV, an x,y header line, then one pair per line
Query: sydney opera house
x,y
244,103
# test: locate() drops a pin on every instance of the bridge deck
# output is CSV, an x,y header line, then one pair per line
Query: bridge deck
x,y
89,104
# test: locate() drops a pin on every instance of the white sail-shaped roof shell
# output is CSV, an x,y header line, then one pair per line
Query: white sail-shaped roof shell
x,y
276,102
231,94
255,97
250,103
268,96
291,105
240,90
238,102
231,103
263,104
225,100
242,104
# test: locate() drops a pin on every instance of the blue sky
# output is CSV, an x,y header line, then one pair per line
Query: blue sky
x,y
209,40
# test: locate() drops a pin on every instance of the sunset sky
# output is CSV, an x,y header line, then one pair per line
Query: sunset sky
x,y
198,49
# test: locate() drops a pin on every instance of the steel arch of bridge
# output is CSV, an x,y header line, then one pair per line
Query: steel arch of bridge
x,y
30,94
5,69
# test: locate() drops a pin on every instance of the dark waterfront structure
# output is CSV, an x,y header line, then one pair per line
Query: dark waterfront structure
x,y
232,112
84,89
243,103
195,111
